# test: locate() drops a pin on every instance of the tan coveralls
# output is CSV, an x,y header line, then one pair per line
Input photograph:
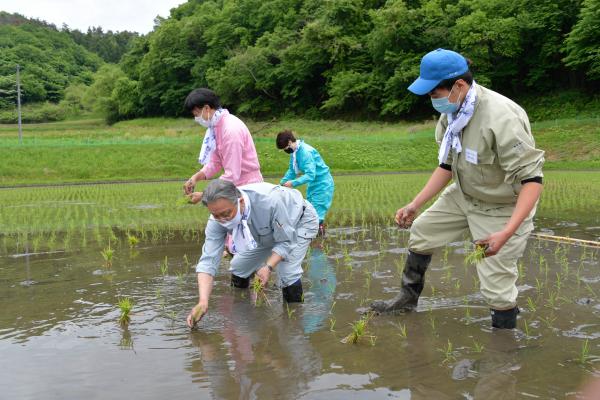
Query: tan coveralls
x,y
498,152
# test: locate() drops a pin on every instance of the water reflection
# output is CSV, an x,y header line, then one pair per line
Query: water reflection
x,y
69,317
321,274
496,368
253,355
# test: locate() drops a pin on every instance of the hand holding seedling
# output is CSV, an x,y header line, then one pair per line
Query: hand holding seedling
x,y
406,215
195,197
263,274
196,314
494,242
188,187
288,184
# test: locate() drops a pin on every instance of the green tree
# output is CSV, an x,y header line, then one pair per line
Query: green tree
x,y
582,45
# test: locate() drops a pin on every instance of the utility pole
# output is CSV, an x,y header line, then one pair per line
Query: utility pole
x,y
19,106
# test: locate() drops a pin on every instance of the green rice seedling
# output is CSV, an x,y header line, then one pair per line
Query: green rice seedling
x,y
476,255
477,347
531,304
332,306
107,254
186,262
543,264
359,330
564,263
538,286
584,353
125,305
158,293
403,332
590,290
432,290
583,255
457,285
445,255
112,236
258,293
399,266
468,314
332,324
521,270
164,267
549,320
180,277
132,240
182,201
552,300
558,283
448,352
526,328
431,319
448,276
290,311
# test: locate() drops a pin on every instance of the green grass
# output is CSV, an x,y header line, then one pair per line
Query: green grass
x,y
88,150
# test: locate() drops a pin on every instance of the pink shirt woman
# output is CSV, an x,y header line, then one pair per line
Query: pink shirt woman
x,y
235,153
227,144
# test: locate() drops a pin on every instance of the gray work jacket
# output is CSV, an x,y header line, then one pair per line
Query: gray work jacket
x,y
275,223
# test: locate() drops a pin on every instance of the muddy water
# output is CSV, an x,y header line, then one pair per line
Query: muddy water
x,y
59,336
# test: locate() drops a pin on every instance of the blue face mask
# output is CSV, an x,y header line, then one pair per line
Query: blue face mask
x,y
443,104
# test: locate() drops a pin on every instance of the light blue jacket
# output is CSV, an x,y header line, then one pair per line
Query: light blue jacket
x,y
310,163
274,223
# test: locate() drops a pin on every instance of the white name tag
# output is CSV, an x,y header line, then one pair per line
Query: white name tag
x,y
471,156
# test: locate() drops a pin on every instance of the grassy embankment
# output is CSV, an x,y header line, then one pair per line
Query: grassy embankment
x,y
149,149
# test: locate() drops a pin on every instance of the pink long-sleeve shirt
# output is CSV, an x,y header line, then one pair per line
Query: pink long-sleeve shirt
x,y
235,153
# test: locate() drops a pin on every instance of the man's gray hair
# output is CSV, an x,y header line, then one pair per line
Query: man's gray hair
x,y
220,189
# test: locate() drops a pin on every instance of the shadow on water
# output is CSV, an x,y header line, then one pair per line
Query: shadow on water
x,y
59,335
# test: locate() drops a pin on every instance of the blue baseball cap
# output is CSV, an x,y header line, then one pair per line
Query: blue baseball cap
x,y
436,66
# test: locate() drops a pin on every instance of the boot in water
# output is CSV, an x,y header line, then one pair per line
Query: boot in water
x,y
413,280
293,293
505,319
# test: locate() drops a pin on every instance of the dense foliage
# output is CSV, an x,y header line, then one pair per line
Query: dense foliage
x,y
315,58
109,45
353,57
49,60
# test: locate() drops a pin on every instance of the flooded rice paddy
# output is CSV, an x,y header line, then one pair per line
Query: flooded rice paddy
x,y
60,337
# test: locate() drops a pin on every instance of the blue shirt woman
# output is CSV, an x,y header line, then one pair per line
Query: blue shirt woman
x,y
307,167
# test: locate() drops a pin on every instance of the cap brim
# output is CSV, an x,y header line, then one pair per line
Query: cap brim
x,y
423,86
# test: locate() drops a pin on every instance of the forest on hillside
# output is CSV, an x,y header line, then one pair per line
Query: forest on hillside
x,y
322,58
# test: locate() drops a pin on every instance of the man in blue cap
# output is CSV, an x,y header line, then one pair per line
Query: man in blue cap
x,y
488,152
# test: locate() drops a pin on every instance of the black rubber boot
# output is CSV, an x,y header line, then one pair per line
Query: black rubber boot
x,y
293,293
504,319
240,282
413,280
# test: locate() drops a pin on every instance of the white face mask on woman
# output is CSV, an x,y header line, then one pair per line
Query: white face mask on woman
x,y
235,221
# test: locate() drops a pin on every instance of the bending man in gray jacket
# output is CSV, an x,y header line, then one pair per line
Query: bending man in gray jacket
x,y
271,226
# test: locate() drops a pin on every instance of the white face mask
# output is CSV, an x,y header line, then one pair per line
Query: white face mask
x,y
235,221
204,122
